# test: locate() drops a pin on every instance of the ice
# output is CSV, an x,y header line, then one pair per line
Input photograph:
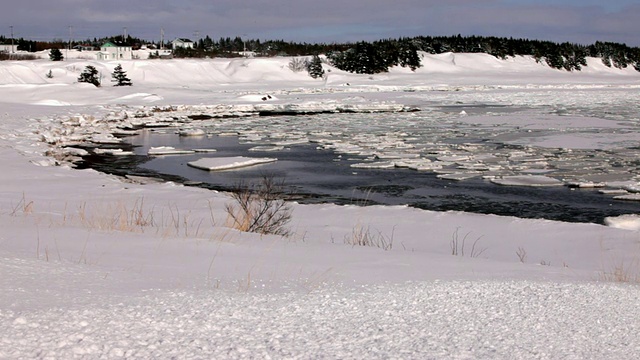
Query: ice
x,y
266,148
527,180
375,165
167,150
228,163
116,152
627,222
191,132
459,176
97,266
628,197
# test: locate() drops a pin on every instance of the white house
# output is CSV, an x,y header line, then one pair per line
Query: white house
x,y
8,48
183,43
115,51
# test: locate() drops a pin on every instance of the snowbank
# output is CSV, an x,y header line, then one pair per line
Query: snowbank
x,y
92,265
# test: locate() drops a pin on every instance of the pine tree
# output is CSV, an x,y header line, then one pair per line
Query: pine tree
x,y
120,77
55,55
314,67
408,56
90,75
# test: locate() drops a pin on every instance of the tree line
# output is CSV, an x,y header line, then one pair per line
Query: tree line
x,y
379,56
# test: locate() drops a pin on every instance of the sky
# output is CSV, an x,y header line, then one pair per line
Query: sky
x,y
577,21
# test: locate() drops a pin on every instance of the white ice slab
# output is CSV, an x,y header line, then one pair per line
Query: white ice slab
x,y
228,163
191,132
115,152
527,180
628,197
266,148
460,176
375,165
627,222
167,150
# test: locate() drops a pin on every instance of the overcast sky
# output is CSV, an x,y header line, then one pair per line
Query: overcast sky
x,y
579,21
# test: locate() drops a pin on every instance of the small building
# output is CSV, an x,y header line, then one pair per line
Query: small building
x,y
8,48
84,47
182,43
115,51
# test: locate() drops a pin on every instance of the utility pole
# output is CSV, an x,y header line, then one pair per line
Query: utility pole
x,y
244,45
11,40
69,46
162,39
196,35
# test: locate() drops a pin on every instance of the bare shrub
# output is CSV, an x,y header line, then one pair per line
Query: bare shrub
x,y
298,64
364,236
260,208
13,56
522,254
458,245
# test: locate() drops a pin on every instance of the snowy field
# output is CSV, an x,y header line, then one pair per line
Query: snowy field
x,y
94,266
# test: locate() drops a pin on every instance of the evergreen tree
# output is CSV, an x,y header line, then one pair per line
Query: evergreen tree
x,y
408,56
89,75
314,67
120,77
55,55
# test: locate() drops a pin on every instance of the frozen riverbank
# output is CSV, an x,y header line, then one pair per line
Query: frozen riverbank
x,y
93,265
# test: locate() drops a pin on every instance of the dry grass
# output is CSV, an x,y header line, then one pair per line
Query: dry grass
x,y
136,217
365,236
23,207
459,245
117,217
622,272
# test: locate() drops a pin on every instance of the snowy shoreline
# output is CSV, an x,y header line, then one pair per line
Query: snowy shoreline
x,y
94,266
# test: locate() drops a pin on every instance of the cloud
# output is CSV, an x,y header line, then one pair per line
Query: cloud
x,y
328,20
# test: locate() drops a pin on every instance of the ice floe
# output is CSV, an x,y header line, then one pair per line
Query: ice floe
x,y
191,132
115,152
527,180
627,222
375,165
167,150
228,163
266,148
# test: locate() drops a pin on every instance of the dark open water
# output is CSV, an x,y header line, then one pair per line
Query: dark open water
x,y
320,176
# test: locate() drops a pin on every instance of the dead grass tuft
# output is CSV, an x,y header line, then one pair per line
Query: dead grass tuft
x,y
365,236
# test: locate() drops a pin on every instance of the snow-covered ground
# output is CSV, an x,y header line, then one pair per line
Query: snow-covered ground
x,y
93,266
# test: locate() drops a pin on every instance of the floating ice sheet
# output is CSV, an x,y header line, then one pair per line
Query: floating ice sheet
x,y
627,222
167,150
527,180
115,152
228,163
191,132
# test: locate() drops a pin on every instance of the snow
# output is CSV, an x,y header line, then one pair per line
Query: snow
x,y
96,266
